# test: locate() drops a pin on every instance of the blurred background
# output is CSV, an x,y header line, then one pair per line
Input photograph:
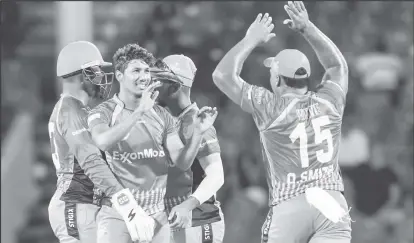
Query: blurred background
x,y
377,144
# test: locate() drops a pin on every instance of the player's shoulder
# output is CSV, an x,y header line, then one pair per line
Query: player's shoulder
x,y
106,107
162,112
159,109
332,95
260,94
69,105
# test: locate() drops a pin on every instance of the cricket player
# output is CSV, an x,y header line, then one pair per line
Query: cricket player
x,y
141,142
299,131
191,201
83,175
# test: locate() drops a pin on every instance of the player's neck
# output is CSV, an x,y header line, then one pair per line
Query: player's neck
x,y
75,92
300,91
179,104
131,101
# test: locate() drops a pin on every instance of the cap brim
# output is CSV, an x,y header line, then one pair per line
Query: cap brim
x,y
268,62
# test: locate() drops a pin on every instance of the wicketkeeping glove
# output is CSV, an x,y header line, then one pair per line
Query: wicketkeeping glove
x,y
140,225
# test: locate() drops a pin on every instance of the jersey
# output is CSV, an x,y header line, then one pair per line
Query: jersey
x,y
83,174
139,160
300,136
181,184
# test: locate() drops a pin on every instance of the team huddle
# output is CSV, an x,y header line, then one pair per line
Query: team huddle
x,y
144,165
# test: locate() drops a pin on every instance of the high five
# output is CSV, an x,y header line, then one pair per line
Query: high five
x,y
299,130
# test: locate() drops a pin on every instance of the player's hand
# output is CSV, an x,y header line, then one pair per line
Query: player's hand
x,y
180,215
144,227
204,119
299,18
260,31
149,95
140,225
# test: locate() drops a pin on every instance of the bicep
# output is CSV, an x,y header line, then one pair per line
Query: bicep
x,y
339,76
97,130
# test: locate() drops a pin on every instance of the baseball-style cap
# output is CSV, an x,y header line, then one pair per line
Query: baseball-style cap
x,y
77,56
290,62
183,67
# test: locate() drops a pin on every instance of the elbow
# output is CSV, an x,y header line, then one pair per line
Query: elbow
x,y
220,77
101,144
220,74
183,166
220,179
345,68
217,76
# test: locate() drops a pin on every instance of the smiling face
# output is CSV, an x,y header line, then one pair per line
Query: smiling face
x,y
135,78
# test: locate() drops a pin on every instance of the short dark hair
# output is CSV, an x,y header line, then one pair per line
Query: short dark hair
x,y
131,52
298,82
159,63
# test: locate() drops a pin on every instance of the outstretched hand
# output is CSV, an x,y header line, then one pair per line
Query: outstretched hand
x,y
299,18
205,118
260,31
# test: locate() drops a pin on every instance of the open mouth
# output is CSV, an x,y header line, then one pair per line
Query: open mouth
x,y
142,84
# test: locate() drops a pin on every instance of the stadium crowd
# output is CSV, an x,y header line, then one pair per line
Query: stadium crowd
x,y
377,140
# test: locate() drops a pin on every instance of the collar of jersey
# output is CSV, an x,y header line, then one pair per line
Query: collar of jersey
x,y
187,109
118,101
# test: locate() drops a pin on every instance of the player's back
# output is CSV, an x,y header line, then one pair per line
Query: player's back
x,y
76,186
300,136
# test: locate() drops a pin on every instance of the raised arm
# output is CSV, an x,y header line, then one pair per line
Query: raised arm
x,y
182,155
106,136
331,58
226,76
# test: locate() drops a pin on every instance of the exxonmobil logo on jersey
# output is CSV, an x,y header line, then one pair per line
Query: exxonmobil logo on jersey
x,y
126,157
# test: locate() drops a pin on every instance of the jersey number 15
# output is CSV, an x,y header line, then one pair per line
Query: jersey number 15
x,y
320,135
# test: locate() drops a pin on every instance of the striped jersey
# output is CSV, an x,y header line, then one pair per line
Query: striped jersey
x,y
300,136
181,184
139,160
83,175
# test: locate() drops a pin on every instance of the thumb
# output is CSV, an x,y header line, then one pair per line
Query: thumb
x,y
288,22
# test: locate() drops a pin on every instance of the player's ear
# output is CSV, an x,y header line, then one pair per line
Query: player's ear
x,y
175,87
118,75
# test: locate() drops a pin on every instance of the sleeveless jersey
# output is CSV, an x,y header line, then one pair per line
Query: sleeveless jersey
x,y
181,184
139,160
300,136
83,174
